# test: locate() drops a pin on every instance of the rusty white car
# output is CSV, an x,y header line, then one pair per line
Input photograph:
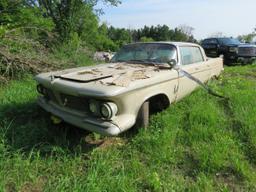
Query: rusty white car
x,y
114,97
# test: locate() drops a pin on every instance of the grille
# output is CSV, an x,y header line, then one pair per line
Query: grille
x,y
69,101
72,102
246,51
50,95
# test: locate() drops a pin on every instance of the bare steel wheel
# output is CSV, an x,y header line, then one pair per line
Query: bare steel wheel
x,y
143,116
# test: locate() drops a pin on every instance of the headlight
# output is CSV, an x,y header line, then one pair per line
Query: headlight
x,y
94,107
108,110
41,89
233,49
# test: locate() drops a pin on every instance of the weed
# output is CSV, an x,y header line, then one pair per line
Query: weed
x,y
209,146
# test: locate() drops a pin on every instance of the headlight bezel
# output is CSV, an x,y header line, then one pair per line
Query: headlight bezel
x,y
97,108
110,108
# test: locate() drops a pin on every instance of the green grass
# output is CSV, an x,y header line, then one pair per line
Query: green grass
x,y
199,144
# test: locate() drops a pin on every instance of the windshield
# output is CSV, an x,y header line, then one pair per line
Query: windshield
x,y
146,53
227,41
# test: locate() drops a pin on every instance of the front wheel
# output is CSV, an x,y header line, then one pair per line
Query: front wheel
x,y
143,116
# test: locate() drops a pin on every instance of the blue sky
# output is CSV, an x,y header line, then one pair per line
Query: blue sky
x,y
231,17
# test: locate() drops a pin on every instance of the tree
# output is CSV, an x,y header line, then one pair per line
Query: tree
x,y
18,13
247,38
69,16
186,29
146,39
217,34
120,36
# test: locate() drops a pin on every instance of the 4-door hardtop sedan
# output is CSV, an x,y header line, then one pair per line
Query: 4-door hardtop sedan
x,y
111,98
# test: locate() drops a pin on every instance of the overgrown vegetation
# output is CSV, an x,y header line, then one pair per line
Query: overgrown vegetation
x,y
41,35
187,147
209,146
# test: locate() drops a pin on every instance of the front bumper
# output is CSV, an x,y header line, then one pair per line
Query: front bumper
x,y
231,56
95,125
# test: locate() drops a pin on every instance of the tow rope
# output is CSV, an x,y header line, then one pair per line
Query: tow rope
x,y
207,88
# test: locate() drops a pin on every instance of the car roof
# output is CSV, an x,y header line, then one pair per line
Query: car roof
x,y
175,43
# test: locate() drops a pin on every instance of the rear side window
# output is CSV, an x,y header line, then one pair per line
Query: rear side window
x,y
190,55
210,41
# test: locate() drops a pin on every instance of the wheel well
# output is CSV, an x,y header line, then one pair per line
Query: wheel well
x,y
158,103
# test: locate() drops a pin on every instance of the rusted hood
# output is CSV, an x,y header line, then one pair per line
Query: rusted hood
x,y
118,74
106,79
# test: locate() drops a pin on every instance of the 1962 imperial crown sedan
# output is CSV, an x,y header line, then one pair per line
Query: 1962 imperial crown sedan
x,y
111,98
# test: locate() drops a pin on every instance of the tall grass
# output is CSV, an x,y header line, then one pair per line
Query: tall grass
x,y
199,144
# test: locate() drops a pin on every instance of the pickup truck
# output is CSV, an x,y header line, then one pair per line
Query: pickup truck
x,y
114,97
228,47
232,49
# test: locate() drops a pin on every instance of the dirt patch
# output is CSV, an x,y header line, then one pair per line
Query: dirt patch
x,y
103,143
38,186
230,180
10,187
112,142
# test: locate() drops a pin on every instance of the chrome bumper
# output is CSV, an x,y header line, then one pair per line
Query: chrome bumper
x,y
81,121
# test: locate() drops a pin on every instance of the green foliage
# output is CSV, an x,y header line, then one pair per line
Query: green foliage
x,y
146,39
209,146
247,38
16,14
3,30
119,36
160,33
74,16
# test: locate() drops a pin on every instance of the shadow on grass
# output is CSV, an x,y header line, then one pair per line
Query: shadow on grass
x,y
27,127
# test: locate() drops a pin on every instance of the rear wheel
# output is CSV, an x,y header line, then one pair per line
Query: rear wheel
x,y
143,116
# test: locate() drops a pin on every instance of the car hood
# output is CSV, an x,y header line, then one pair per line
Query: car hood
x,y
233,45
106,79
247,45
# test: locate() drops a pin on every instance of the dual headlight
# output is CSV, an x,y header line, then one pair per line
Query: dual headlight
x,y
107,110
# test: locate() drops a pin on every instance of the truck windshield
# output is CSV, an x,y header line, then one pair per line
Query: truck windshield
x,y
146,53
228,41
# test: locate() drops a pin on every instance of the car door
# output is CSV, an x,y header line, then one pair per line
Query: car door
x,y
193,62
211,47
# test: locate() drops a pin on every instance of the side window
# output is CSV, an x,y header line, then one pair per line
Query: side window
x,y
213,41
210,41
190,55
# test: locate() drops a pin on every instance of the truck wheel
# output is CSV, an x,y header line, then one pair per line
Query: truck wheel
x,y
143,116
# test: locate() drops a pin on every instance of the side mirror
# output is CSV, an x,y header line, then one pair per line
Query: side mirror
x,y
172,63
221,56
